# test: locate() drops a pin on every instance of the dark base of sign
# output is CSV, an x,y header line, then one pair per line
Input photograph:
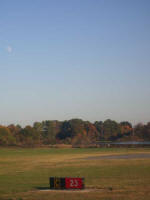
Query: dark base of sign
x,y
57,183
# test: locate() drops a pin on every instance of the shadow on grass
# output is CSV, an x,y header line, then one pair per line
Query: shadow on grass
x,y
43,188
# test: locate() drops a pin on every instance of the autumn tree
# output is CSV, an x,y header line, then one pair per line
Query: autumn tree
x,y
6,137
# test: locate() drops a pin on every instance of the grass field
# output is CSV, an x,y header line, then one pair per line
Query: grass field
x,y
24,171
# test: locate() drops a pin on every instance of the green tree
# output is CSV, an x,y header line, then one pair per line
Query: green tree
x,y
50,129
111,129
30,136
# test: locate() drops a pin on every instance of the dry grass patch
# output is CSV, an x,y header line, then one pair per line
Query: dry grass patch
x,y
21,173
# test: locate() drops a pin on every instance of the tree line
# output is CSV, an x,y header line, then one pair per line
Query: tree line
x,y
74,131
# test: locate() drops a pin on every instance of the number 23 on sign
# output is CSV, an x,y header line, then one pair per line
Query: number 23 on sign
x,y
74,183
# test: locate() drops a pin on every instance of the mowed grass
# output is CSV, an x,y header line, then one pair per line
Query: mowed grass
x,y
24,171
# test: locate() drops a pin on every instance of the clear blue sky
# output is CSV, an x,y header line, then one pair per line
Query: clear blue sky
x,y
86,59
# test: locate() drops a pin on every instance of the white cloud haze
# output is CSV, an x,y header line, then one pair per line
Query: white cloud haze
x,y
9,49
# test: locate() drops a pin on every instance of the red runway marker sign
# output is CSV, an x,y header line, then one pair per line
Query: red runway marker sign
x,y
66,183
74,183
